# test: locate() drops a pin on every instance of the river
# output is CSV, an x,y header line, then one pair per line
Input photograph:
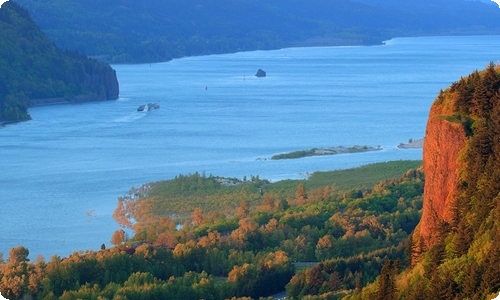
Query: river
x,y
63,171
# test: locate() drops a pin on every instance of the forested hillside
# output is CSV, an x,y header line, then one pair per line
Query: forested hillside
x,y
34,71
157,30
455,248
251,242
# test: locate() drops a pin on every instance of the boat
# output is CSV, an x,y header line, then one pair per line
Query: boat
x,y
148,107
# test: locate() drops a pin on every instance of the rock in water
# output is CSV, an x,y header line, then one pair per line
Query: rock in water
x,y
260,73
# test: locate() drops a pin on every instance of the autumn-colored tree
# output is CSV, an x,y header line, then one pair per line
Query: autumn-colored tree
x,y
17,255
197,216
268,203
118,237
243,210
14,276
300,194
212,239
123,212
166,239
244,278
324,247
240,236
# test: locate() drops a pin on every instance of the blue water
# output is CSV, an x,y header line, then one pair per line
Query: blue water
x,y
63,171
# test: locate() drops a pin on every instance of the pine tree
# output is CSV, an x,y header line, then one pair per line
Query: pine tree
x,y
471,280
387,285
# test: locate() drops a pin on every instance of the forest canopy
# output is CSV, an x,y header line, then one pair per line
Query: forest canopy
x,y
254,248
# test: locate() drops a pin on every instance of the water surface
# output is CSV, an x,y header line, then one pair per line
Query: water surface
x,y
63,171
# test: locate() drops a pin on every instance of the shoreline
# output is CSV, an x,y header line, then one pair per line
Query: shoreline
x,y
323,152
412,144
65,100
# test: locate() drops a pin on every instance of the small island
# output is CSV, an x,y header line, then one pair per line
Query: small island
x,y
325,151
260,73
412,144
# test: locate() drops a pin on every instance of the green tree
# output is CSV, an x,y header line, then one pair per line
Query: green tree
x,y
387,284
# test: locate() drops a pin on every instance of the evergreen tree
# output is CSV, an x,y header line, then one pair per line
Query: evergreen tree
x,y
387,285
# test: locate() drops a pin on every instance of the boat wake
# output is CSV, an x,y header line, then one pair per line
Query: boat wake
x,y
129,118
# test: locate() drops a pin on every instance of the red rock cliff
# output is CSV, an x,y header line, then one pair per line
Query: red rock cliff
x,y
444,141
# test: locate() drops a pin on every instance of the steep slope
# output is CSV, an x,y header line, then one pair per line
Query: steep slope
x,y
444,140
455,249
158,30
35,72
456,253
460,157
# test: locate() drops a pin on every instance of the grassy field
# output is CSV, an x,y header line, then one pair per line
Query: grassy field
x,y
181,195
361,177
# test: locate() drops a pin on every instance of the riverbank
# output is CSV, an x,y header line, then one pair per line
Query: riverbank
x,y
65,100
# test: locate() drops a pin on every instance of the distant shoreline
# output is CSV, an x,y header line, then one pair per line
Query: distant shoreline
x,y
412,144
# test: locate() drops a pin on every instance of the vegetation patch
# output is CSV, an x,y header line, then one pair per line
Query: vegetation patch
x,y
236,249
325,151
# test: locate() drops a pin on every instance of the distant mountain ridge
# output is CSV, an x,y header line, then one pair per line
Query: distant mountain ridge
x,y
35,72
146,31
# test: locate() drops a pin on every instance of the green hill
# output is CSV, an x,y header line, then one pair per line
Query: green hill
x,y
34,71
157,30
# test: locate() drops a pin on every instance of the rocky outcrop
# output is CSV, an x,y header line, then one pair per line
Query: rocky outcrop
x,y
104,85
461,162
444,140
260,73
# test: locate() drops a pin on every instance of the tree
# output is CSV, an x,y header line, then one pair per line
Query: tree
x,y
243,209
198,218
268,203
17,255
335,283
243,277
324,247
300,194
387,285
166,239
118,237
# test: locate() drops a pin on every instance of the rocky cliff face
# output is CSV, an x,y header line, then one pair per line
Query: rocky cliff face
x,y
461,161
443,143
104,84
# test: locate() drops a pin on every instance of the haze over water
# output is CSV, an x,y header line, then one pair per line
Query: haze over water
x,y
63,171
